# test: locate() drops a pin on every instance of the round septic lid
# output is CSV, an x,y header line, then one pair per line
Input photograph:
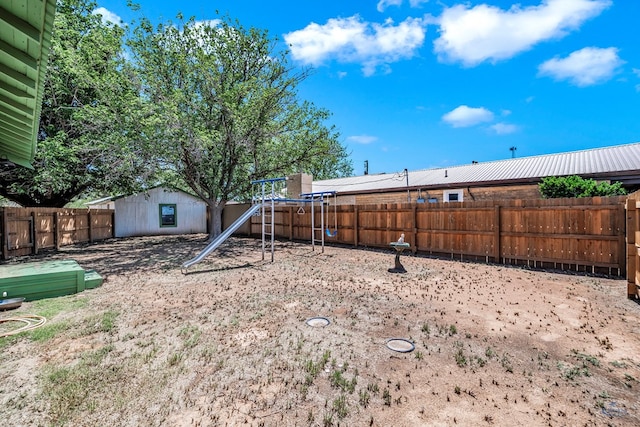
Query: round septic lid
x,y
318,321
400,345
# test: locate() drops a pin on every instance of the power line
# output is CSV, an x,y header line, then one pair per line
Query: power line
x,y
399,176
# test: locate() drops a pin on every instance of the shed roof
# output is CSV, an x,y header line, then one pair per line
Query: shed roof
x,y
157,188
25,40
620,162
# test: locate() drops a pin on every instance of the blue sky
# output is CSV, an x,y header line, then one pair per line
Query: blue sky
x,y
419,84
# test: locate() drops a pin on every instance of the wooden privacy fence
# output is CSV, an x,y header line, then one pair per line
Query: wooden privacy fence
x,y
26,231
586,234
633,246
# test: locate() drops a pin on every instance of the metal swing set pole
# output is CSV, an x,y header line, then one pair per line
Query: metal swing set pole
x,y
313,197
262,218
271,225
322,220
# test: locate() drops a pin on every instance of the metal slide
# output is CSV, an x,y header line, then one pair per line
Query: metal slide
x,y
221,238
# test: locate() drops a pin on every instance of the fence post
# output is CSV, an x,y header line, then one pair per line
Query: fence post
x,y
90,226
414,230
56,230
355,226
622,247
385,208
496,233
290,223
34,232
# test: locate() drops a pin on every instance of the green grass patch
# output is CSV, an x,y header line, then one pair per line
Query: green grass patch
x,y
586,358
425,329
49,331
102,322
571,373
175,359
41,334
6,342
461,359
71,388
190,335
314,368
338,380
340,406
364,398
51,307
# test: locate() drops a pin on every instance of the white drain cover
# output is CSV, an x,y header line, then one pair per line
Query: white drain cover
x,y
318,322
400,345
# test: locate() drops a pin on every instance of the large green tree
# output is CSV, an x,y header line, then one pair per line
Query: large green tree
x,y
89,118
227,111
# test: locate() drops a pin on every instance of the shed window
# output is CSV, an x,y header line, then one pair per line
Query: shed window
x,y
452,195
168,215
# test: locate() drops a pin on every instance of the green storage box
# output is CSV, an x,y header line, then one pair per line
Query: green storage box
x,y
44,279
92,279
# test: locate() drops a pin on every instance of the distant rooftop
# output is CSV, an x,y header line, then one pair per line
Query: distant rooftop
x,y
621,162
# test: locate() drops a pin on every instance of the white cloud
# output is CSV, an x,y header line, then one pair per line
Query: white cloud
x,y
383,4
351,40
488,33
464,116
504,128
505,112
584,67
363,139
108,16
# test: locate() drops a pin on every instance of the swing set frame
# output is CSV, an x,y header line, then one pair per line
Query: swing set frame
x,y
268,199
319,197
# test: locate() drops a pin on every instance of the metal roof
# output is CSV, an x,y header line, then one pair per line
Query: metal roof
x,y
608,162
25,40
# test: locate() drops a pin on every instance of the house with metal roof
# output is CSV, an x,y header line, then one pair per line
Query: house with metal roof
x,y
515,178
25,40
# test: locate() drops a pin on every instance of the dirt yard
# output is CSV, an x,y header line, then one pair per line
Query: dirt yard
x,y
229,344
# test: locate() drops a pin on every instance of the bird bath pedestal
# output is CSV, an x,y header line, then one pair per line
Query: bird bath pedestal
x,y
399,247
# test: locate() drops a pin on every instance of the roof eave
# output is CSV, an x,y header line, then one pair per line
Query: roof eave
x,y
21,103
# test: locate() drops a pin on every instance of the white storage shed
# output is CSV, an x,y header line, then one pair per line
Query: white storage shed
x,y
159,211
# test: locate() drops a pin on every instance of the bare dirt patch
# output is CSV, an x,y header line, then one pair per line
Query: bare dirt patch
x,y
229,343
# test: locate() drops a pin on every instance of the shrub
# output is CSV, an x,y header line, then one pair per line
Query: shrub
x,y
553,187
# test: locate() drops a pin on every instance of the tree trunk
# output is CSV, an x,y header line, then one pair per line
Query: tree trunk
x,y
215,219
